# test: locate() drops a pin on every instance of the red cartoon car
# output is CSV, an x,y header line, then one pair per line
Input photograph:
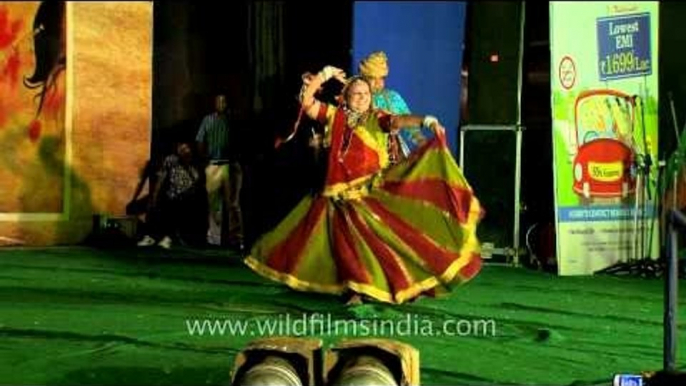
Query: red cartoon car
x,y
603,165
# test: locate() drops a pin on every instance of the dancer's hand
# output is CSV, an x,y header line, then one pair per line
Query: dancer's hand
x,y
316,140
307,78
438,129
340,76
432,123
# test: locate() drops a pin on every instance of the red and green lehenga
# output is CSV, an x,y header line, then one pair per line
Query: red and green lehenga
x,y
389,233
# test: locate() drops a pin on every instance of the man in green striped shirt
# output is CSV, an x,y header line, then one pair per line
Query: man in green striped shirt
x,y
222,191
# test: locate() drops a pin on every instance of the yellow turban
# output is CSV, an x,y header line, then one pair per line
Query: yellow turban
x,y
375,65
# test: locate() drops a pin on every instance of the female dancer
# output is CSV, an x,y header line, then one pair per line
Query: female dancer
x,y
389,233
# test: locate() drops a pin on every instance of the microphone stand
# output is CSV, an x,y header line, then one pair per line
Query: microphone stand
x,y
639,262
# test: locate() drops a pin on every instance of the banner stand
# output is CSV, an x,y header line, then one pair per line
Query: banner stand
x,y
604,85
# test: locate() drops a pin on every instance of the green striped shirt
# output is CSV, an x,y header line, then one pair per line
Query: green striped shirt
x,y
214,133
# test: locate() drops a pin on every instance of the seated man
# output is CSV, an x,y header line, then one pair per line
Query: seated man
x,y
175,198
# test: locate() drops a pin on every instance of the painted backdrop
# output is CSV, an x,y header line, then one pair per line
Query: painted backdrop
x,y
32,107
75,115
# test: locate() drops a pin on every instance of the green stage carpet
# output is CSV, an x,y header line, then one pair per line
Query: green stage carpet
x,y
80,316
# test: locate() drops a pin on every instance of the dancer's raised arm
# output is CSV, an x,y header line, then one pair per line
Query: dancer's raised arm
x,y
312,83
408,120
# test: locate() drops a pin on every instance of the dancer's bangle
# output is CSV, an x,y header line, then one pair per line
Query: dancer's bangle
x,y
326,73
429,121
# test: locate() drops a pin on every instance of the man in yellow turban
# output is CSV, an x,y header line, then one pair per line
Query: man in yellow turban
x,y
375,69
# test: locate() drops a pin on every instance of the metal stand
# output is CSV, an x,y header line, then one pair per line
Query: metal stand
x,y
512,251
640,262
676,220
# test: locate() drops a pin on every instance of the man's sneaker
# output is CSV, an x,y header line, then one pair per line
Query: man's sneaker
x,y
214,239
146,241
165,242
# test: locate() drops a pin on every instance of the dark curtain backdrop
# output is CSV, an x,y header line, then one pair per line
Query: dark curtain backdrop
x,y
266,52
254,52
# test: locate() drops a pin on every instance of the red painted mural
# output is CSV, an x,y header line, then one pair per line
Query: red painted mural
x,y
32,106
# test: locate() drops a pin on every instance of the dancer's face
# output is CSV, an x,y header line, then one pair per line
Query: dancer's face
x,y
359,96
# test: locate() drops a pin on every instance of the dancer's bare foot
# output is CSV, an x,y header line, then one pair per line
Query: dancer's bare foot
x,y
354,300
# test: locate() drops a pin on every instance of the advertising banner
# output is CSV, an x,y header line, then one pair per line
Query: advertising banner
x,y
604,80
